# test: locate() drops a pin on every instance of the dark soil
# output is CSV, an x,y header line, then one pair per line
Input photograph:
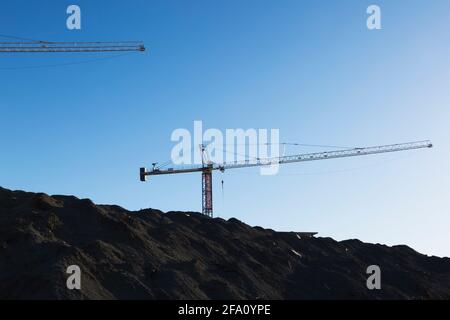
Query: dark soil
x,y
153,255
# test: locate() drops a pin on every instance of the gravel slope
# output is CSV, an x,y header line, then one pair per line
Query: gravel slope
x,y
152,255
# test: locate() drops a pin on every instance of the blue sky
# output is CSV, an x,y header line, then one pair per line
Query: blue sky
x,y
309,68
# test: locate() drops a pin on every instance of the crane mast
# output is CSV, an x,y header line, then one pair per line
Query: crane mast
x,y
207,167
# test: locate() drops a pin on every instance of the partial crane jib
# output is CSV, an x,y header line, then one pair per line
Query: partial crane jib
x,y
43,46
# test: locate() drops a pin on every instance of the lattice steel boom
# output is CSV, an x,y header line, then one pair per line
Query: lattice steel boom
x,y
43,46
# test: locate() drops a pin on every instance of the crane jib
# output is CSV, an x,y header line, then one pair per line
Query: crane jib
x,y
206,169
42,46
295,158
332,154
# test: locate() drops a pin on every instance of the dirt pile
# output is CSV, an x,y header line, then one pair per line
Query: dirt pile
x,y
153,255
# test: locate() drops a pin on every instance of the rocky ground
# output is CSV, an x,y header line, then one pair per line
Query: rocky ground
x,y
153,255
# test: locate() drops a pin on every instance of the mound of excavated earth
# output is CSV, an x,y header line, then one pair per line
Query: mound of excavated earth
x,y
153,255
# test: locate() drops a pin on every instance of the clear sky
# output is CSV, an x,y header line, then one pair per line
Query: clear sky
x,y
309,68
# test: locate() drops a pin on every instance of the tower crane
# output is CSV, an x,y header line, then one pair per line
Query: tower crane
x,y
207,167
